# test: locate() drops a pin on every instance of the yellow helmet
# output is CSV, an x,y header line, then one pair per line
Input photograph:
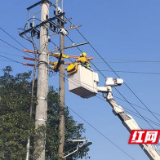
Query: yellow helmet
x,y
84,54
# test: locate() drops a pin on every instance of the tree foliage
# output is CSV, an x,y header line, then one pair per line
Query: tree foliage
x,y
16,125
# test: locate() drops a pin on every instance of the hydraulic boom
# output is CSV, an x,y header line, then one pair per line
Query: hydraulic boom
x,y
126,119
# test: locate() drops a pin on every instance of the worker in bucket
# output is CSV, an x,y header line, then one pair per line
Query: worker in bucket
x,y
82,59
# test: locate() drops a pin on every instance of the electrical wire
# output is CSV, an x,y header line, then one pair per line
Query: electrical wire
x,y
12,37
15,47
10,59
5,60
10,47
97,95
73,42
76,82
115,88
14,40
125,99
131,72
100,132
118,76
54,44
31,40
137,105
11,54
128,61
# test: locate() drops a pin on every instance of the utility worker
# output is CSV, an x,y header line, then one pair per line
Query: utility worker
x,y
72,68
82,59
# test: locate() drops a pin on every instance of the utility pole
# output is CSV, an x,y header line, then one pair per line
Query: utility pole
x,y
62,93
42,88
56,25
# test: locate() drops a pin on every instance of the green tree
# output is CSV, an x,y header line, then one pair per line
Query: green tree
x,y
16,126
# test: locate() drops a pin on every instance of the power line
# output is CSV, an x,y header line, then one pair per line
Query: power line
x,y
131,72
97,129
15,48
5,60
101,133
9,47
137,105
117,76
128,61
73,42
128,110
12,37
10,59
77,81
96,96
11,54
149,120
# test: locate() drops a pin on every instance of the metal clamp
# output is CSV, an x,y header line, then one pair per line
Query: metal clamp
x,y
40,119
44,53
41,98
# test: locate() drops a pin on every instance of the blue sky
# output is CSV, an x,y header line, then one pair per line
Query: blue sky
x,y
124,32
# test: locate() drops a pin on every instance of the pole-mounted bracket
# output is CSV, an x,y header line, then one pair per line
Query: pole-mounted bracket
x,y
79,147
66,30
42,1
73,45
107,89
42,23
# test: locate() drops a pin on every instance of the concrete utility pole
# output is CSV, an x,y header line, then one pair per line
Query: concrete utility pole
x,y
42,90
62,95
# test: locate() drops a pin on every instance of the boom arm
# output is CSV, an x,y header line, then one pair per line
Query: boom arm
x,y
131,124
126,119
